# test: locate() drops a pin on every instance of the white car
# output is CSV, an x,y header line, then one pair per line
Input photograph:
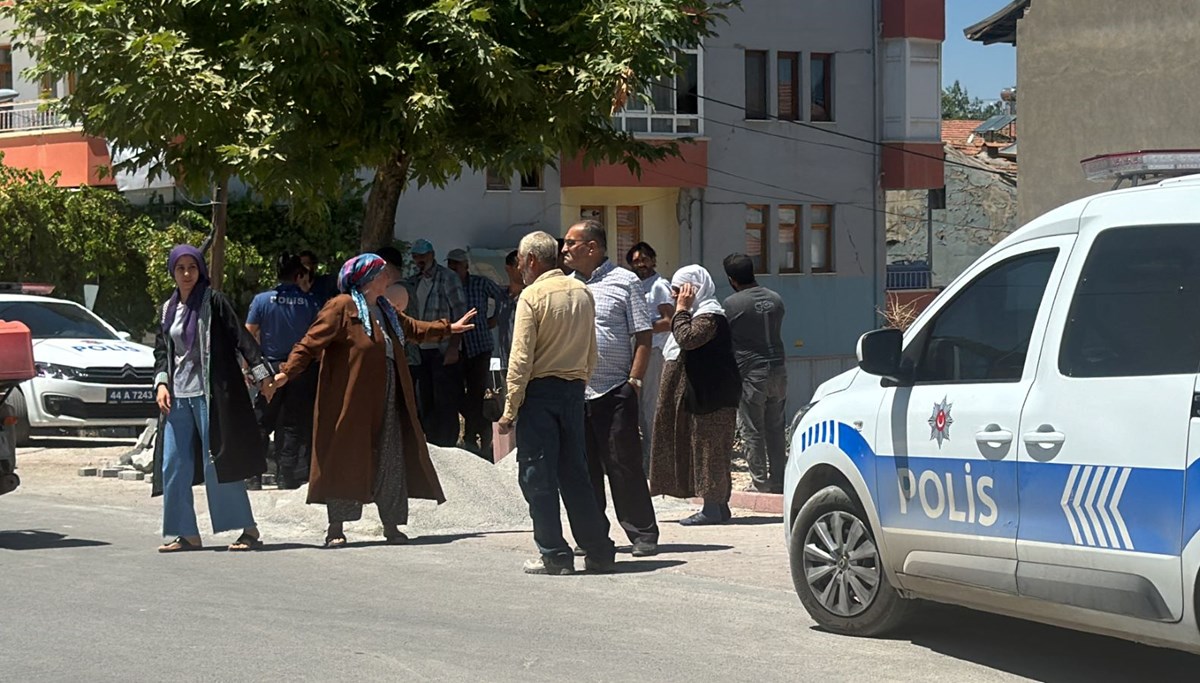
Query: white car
x,y
1030,445
89,376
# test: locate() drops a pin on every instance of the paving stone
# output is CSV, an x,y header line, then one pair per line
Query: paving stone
x,y
88,471
109,473
131,475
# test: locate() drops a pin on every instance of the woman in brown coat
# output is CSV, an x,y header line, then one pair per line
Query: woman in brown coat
x,y
367,441
697,402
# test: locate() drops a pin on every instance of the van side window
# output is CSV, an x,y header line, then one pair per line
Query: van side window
x,y
1136,309
983,334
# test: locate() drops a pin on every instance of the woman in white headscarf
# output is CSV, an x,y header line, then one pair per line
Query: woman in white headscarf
x,y
697,403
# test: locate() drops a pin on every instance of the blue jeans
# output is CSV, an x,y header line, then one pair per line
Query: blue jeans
x,y
550,456
228,504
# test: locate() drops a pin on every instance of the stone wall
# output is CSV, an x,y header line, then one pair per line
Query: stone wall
x,y
981,209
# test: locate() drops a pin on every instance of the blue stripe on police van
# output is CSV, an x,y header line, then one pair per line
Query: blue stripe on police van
x,y
1100,506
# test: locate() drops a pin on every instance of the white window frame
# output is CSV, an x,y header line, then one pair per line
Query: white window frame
x,y
622,118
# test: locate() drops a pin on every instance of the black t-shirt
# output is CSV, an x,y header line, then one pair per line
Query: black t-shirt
x,y
756,317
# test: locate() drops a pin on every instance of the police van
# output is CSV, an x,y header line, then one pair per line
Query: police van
x,y
1029,445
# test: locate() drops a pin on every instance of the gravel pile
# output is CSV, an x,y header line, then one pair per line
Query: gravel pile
x,y
480,496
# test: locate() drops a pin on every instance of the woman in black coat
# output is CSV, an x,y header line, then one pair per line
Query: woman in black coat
x,y
207,432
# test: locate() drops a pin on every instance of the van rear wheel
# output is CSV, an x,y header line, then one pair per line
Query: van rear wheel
x,y
837,571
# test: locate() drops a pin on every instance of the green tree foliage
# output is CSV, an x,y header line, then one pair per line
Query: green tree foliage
x,y
295,96
958,104
69,238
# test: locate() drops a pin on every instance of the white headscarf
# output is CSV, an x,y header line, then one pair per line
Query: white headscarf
x,y
705,304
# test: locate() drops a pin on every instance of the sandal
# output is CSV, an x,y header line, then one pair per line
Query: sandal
x,y
245,543
338,541
180,544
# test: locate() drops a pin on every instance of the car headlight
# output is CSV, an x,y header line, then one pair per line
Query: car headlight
x,y
52,371
796,423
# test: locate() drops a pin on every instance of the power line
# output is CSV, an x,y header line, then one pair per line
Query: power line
x,y
823,129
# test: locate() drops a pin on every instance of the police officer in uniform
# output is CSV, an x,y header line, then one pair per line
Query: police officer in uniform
x,y
278,319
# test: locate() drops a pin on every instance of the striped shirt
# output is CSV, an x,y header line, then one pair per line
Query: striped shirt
x,y
620,314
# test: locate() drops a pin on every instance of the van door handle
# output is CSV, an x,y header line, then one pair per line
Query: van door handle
x,y
994,436
1045,437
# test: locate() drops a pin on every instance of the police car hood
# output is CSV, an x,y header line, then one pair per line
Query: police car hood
x,y
835,384
93,353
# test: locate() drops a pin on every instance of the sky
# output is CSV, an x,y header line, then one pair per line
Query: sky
x,y
984,70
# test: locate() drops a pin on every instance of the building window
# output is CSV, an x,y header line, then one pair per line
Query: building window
x,y
789,239
789,85
49,87
629,229
756,236
592,213
6,67
497,182
822,238
674,103
531,181
756,84
72,82
821,71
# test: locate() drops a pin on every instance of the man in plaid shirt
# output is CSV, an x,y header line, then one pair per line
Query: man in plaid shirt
x,y
439,295
478,346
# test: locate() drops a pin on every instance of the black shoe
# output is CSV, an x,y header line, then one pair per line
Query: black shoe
x,y
550,566
701,519
600,565
580,552
644,548
254,484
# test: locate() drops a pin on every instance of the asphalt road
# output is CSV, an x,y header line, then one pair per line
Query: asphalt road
x,y
84,597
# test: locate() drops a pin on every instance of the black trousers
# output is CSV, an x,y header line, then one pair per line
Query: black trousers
x,y
477,433
290,417
614,447
441,395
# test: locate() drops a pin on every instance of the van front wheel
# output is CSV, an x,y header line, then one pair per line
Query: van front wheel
x,y
837,570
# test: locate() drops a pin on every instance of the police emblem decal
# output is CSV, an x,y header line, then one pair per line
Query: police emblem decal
x,y
940,421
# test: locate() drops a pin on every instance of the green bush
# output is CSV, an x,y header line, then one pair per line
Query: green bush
x,y
72,237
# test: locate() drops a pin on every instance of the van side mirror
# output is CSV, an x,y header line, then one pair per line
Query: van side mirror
x,y
879,354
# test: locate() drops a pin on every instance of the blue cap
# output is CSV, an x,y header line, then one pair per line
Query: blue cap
x,y
422,246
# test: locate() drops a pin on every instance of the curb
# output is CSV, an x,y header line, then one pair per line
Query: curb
x,y
769,503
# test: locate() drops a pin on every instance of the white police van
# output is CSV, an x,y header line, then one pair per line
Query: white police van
x,y
1030,445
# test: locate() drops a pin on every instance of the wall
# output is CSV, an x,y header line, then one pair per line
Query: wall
x,y
1099,77
777,162
981,209
660,225
464,214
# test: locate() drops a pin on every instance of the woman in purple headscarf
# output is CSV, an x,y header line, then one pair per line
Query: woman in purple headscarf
x,y
207,431
368,446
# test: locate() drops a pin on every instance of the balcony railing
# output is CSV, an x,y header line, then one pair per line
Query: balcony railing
x,y
909,278
31,116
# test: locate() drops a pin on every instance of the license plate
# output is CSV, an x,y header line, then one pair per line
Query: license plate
x,y
131,395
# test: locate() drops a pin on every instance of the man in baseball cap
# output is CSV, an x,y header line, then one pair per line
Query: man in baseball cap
x,y
439,296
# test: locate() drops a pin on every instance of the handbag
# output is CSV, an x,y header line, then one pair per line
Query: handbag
x,y
493,393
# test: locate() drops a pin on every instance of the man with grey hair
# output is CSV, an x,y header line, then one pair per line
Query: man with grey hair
x,y
553,355
614,446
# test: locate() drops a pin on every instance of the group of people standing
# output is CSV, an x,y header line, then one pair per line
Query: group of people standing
x,y
584,403
612,374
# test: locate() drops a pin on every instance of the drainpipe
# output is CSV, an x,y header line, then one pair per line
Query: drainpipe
x,y
880,224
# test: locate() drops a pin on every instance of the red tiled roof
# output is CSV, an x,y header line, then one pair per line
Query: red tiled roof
x,y
957,131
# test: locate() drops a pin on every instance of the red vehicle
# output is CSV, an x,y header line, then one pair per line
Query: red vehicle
x,y
16,366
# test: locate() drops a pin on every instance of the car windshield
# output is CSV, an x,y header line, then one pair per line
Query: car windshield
x,y
56,320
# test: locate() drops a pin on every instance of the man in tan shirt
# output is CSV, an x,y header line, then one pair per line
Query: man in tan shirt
x,y
553,355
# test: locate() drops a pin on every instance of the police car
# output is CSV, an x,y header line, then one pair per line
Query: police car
x,y
1030,445
89,376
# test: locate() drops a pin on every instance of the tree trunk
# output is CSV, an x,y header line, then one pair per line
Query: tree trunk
x,y
379,219
216,264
